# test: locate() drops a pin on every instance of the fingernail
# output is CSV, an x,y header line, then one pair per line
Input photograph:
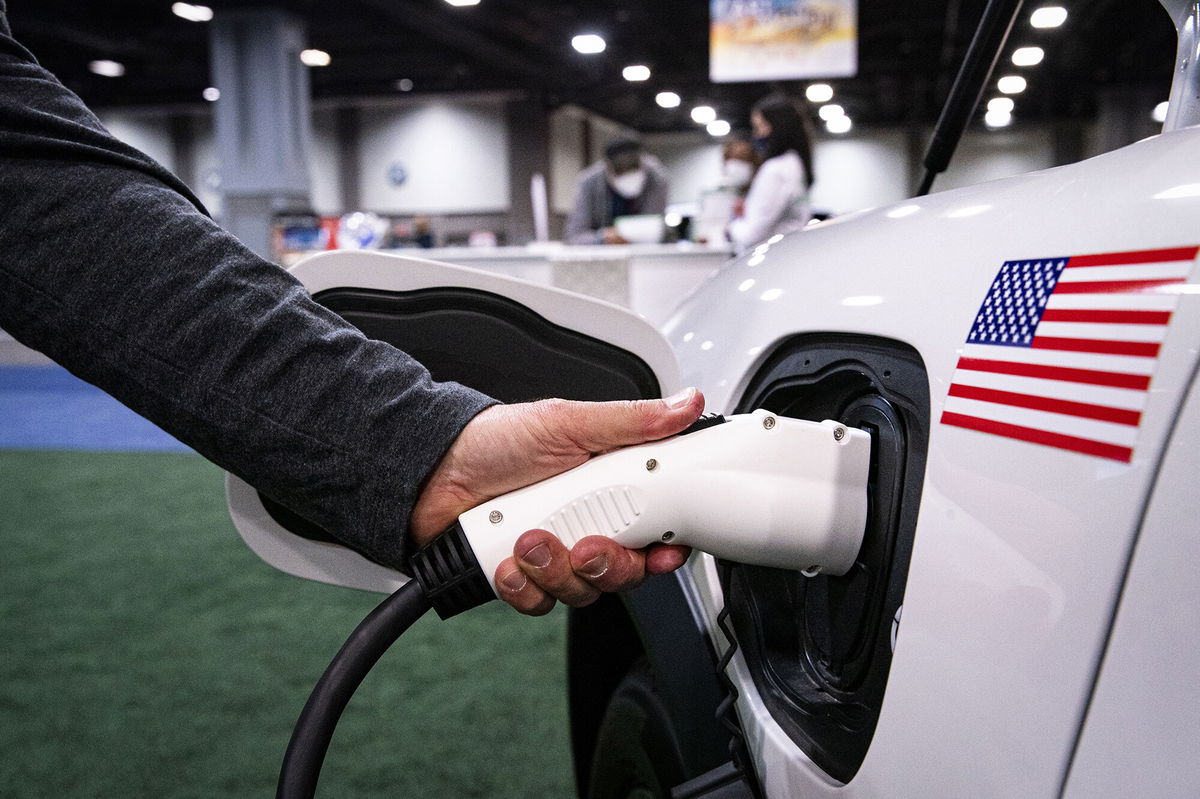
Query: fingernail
x,y
596,567
515,580
539,556
680,399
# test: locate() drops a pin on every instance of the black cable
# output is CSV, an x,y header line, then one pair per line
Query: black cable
x,y
446,577
314,729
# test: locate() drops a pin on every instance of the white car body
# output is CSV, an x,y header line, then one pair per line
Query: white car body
x,y
1023,551
1047,646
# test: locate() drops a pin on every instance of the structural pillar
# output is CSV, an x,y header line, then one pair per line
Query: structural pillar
x,y
528,155
263,121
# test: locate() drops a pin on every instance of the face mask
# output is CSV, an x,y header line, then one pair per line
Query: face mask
x,y
760,144
737,173
630,184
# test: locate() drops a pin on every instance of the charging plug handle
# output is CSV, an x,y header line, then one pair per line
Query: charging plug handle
x,y
759,488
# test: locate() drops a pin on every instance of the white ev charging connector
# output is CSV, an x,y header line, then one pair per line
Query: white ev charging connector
x,y
755,488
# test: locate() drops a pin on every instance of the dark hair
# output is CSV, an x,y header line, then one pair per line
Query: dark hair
x,y
790,130
621,146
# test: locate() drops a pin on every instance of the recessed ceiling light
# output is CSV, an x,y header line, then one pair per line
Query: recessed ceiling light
x,y
212,94
191,12
703,114
463,2
667,99
1011,84
1159,114
109,69
819,93
588,43
636,72
1001,105
1048,17
315,58
718,127
840,124
831,111
404,84
997,119
1028,56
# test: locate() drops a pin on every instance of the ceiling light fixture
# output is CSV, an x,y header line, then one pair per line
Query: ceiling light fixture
x,y
839,125
1011,84
997,119
192,13
831,111
636,72
703,114
667,99
463,2
315,58
819,93
588,43
212,94
718,127
1028,56
405,84
109,69
1048,17
1159,114
1001,105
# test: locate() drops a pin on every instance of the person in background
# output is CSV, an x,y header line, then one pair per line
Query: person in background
x,y
739,162
778,198
628,181
725,201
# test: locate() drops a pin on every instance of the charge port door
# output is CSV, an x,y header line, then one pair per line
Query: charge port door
x,y
820,648
508,338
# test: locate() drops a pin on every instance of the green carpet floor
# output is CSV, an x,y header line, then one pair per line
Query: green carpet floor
x,y
148,653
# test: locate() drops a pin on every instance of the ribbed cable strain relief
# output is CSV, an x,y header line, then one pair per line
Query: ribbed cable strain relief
x,y
450,575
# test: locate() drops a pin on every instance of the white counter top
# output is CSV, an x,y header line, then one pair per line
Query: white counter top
x,y
651,279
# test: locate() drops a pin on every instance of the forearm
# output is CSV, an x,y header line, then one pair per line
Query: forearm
x,y
109,269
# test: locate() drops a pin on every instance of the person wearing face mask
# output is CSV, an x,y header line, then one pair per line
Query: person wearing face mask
x,y
724,202
739,162
627,181
778,200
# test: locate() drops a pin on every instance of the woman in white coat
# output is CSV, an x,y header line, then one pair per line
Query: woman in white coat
x,y
778,199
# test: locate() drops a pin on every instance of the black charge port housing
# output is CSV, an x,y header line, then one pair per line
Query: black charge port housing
x,y
820,648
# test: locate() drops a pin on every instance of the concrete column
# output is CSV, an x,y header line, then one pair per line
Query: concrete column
x,y
528,154
263,121
347,135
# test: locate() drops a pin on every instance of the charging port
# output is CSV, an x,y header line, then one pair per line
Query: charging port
x,y
820,648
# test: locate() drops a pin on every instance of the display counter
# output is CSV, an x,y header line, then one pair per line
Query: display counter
x,y
650,279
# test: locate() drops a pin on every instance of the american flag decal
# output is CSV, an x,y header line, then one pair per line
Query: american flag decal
x,y
1063,349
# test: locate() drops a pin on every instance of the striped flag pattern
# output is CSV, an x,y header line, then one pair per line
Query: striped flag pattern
x,y
1062,350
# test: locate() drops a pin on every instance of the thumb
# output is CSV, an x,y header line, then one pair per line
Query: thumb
x,y
603,426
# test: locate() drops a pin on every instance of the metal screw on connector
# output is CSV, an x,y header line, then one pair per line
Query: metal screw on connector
x,y
668,535
839,433
495,517
651,465
769,422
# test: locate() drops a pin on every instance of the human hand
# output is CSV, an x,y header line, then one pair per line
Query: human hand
x,y
509,446
611,236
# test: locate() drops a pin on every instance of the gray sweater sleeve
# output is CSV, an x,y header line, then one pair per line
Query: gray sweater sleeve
x,y
110,266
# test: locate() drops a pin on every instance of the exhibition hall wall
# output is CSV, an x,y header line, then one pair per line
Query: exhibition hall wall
x,y
447,157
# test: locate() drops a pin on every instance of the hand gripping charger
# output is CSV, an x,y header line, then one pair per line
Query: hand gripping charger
x,y
754,488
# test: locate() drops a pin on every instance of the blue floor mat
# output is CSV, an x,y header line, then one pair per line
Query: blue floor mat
x,y
46,407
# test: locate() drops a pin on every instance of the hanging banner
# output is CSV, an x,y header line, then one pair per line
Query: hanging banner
x,y
756,40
